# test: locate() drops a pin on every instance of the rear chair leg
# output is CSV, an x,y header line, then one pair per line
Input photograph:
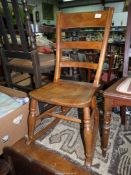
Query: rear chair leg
x,y
95,109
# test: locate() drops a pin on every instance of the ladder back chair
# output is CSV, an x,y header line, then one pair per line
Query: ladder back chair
x,y
72,94
18,46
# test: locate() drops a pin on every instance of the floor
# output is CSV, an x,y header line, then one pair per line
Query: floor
x,y
49,159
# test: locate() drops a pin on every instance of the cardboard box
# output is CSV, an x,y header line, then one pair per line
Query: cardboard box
x,y
13,126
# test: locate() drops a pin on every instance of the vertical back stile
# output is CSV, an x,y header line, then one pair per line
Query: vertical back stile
x,y
104,47
20,26
10,24
58,49
28,23
4,34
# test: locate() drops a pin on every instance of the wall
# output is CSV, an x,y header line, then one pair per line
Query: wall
x,y
118,7
119,17
82,9
38,7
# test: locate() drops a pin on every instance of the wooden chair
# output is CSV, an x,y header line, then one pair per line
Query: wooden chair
x,y
19,50
67,93
119,94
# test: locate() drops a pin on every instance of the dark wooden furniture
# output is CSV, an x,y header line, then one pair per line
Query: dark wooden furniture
x,y
24,165
114,98
1,71
112,72
19,51
69,94
4,167
36,160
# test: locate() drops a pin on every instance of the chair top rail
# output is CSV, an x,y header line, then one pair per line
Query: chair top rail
x,y
84,19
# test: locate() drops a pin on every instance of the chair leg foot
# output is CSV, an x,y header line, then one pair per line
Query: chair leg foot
x,y
103,153
28,141
88,161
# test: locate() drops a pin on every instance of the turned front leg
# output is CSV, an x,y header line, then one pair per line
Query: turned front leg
x,y
88,140
106,127
31,120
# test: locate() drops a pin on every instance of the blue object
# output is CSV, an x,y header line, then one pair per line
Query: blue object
x,y
7,104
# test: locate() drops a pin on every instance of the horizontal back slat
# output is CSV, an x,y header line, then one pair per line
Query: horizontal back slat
x,y
83,19
78,64
81,45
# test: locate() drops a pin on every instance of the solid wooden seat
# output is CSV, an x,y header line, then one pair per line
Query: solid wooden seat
x,y
66,93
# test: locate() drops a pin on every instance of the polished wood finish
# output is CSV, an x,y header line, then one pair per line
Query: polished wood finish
x,y
66,93
113,98
83,19
82,45
78,64
35,160
20,54
70,94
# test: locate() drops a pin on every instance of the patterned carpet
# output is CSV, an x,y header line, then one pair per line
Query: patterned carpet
x,y
65,139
